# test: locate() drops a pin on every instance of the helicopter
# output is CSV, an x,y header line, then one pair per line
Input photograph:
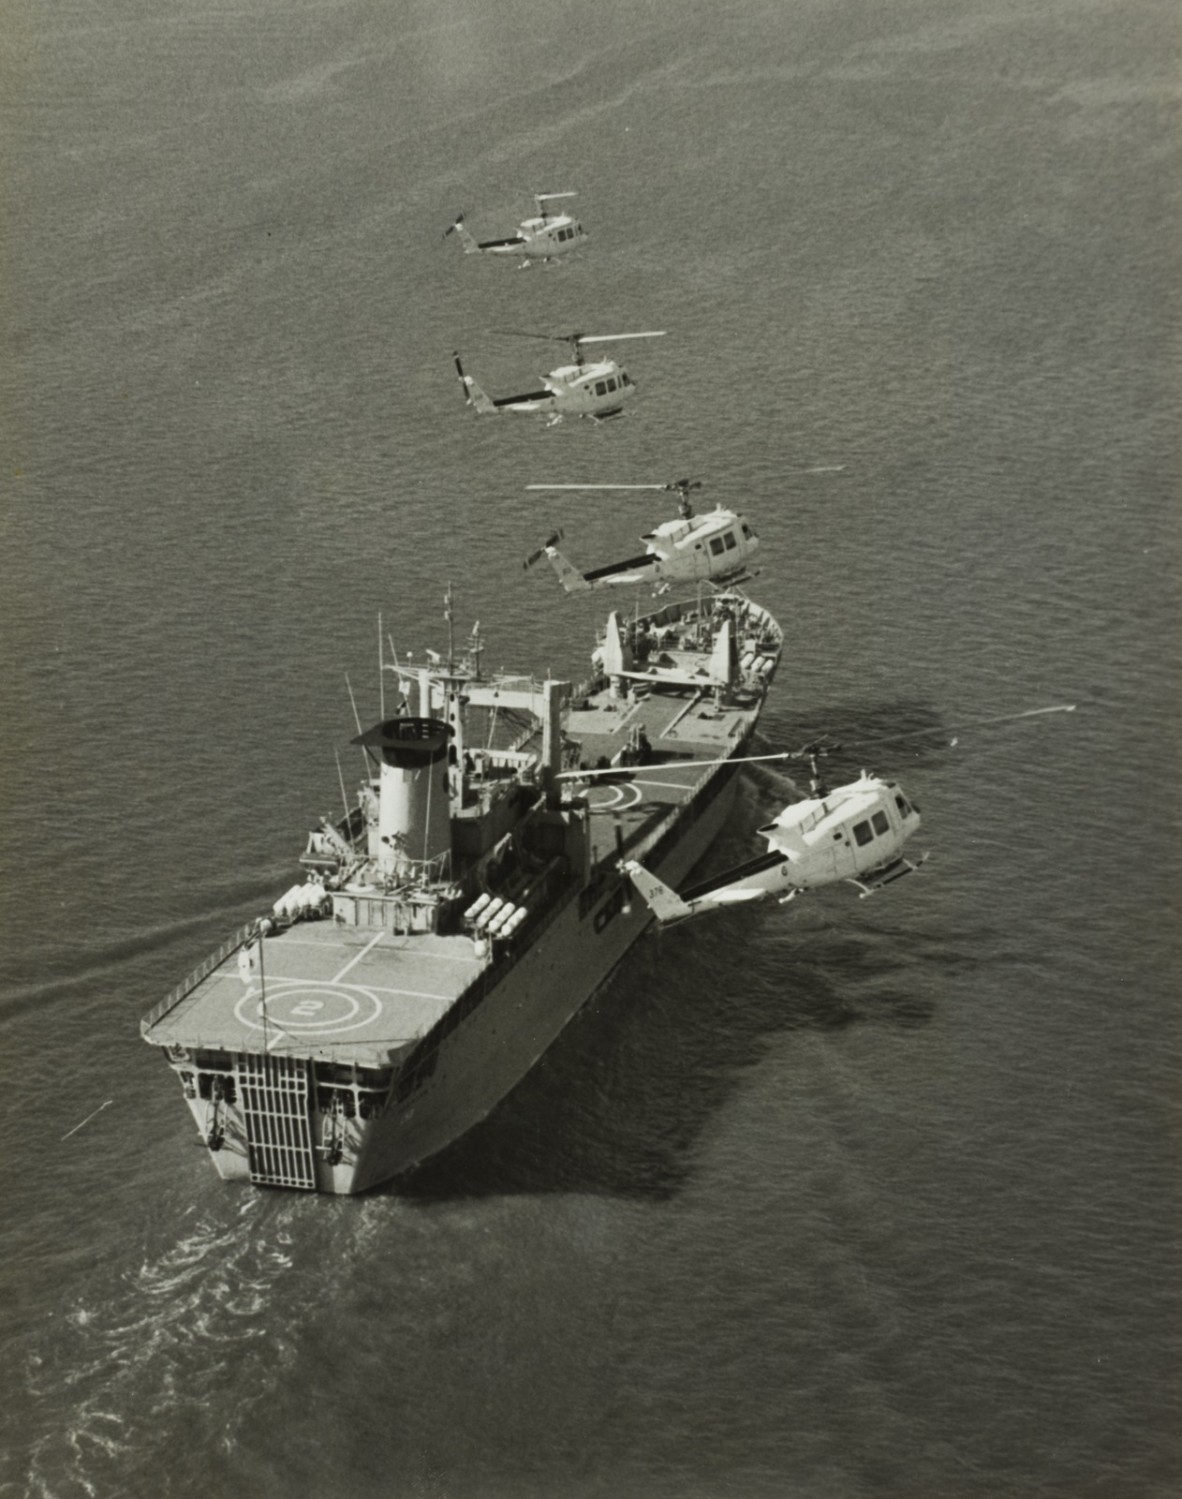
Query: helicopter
x,y
597,390
715,546
853,833
545,237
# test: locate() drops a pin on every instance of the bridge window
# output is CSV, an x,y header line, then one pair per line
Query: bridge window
x,y
881,824
862,833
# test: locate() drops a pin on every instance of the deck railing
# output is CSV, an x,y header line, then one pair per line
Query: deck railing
x,y
188,984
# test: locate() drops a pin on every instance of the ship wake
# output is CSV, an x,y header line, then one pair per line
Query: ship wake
x,y
113,1372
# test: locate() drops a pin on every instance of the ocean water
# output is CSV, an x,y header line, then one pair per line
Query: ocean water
x,y
852,1198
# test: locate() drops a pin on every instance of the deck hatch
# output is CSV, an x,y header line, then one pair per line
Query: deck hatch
x,y
274,1094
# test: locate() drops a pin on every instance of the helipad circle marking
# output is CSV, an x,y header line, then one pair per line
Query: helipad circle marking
x,y
290,1004
613,797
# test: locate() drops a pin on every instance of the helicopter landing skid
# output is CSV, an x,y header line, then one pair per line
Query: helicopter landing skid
x,y
885,874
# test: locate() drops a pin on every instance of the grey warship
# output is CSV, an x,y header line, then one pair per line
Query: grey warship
x,y
470,901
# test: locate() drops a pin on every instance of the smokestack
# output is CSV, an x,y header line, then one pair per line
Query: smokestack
x,y
413,820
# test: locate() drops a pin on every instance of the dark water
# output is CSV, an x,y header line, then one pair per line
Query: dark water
x,y
856,1198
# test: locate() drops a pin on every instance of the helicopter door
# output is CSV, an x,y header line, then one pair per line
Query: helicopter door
x,y
874,839
720,545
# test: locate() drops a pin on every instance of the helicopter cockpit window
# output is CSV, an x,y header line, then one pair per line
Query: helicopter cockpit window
x,y
881,823
862,832
747,532
902,804
730,541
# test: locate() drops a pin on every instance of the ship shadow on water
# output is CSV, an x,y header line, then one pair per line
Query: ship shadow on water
x,y
619,1102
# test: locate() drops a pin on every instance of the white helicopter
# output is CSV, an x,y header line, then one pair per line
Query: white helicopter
x,y
597,390
545,237
715,546
854,833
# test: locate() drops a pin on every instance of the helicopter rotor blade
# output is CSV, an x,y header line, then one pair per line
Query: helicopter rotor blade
x,y
817,747
607,338
599,486
548,197
550,338
574,338
679,486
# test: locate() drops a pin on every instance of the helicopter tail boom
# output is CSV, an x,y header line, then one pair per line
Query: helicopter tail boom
x,y
568,574
665,904
669,907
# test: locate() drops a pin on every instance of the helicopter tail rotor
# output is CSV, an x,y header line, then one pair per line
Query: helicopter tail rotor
x,y
539,552
474,395
457,227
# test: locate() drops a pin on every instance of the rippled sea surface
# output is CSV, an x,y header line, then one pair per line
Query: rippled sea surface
x,y
852,1198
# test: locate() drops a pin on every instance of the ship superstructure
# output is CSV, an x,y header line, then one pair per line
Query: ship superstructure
x,y
469,903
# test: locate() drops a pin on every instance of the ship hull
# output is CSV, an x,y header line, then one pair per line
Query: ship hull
x,y
485,1058
480,1061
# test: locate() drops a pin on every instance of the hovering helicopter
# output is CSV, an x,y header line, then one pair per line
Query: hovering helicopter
x,y
853,833
545,237
597,390
715,546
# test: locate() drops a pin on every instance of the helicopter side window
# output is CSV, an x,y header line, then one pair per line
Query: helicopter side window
x,y
600,388
716,545
862,833
881,823
729,541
